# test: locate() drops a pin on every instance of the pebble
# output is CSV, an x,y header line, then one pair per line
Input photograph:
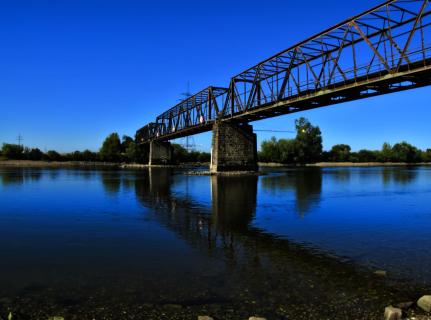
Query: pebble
x,y
56,318
205,318
392,313
380,273
256,318
425,303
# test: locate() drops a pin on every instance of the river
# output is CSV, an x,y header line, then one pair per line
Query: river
x,y
161,244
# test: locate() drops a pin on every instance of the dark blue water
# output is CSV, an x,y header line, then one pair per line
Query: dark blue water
x,y
290,244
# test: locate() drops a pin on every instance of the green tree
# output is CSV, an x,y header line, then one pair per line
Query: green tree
x,y
35,154
308,141
405,152
111,148
130,153
340,153
126,141
12,151
426,155
367,156
53,155
288,150
270,151
386,154
88,155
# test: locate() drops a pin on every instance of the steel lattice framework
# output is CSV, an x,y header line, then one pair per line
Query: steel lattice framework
x,y
385,49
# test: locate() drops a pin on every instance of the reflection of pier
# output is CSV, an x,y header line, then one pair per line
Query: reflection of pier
x,y
233,202
224,230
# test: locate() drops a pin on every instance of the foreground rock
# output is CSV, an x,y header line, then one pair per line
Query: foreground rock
x,y
392,313
205,318
425,303
256,318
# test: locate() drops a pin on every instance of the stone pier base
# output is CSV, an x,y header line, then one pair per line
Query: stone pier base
x,y
233,147
160,153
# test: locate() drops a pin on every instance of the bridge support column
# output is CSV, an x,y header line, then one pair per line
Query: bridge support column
x,y
160,153
233,147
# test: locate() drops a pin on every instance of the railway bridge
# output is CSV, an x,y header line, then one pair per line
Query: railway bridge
x,y
382,50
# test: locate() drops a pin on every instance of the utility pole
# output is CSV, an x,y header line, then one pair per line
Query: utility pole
x,y
20,139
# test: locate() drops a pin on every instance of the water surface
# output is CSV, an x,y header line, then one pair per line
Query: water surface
x,y
156,243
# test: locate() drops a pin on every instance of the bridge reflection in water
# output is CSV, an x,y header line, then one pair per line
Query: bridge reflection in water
x,y
262,269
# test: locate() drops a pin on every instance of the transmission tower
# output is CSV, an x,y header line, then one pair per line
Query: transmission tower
x,y
189,145
19,139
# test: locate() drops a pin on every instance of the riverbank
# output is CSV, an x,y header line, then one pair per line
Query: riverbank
x,y
56,164
344,164
88,164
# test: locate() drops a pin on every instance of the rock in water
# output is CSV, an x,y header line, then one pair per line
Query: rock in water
x,y
392,313
205,318
256,318
425,303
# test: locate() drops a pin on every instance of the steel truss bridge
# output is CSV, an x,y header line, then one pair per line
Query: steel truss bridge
x,y
385,49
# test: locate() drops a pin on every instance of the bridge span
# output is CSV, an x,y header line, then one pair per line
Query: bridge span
x,y
382,50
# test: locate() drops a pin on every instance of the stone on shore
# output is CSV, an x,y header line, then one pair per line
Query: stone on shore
x,y
425,303
205,318
392,313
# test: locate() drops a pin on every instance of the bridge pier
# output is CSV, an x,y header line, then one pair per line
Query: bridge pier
x,y
234,147
160,153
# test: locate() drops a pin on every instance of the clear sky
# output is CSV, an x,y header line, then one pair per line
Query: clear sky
x,y
73,71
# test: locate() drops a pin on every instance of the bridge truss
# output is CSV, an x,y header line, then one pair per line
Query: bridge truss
x,y
385,49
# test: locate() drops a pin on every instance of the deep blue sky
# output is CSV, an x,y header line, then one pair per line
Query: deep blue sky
x,y
72,71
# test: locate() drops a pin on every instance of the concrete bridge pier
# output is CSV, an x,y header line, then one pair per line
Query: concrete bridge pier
x,y
160,153
234,147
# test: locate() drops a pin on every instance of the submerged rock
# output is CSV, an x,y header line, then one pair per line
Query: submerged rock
x,y
392,313
425,303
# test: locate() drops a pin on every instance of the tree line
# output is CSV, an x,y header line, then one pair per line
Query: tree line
x,y
113,149
306,147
